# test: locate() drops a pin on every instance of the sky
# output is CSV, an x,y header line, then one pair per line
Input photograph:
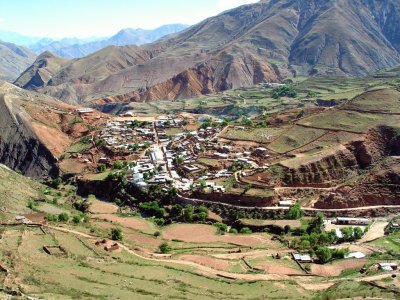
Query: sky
x,y
85,18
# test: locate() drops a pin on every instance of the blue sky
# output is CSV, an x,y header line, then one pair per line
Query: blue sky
x,y
84,18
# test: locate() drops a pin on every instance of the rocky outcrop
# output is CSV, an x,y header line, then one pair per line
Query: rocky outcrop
x,y
379,182
20,148
357,156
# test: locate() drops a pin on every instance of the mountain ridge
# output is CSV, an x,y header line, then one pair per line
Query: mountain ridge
x,y
266,41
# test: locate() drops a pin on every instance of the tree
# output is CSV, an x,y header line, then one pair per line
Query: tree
x,y
101,168
324,254
221,227
304,244
116,234
247,188
56,183
347,233
76,219
358,233
317,224
295,212
82,206
188,213
202,209
176,211
159,221
118,165
245,230
63,217
164,248
340,253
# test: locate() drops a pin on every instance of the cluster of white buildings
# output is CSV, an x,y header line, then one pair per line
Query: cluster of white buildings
x,y
121,136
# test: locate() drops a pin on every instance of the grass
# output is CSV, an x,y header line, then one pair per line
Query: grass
x,y
260,135
76,276
15,200
173,131
347,120
295,138
79,147
351,290
209,162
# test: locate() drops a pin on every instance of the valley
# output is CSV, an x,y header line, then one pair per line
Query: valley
x,y
253,155
209,192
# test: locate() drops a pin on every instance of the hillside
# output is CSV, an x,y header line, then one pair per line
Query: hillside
x,y
14,60
266,41
15,201
36,130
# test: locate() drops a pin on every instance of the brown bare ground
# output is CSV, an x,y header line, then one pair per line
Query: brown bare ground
x,y
214,263
336,269
101,207
56,141
194,233
142,240
72,166
128,222
274,268
36,217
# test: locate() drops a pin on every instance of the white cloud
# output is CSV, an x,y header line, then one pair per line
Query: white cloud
x,y
2,20
227,4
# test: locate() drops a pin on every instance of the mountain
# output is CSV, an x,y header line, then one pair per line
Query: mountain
x,y
14,60
75,48
266,41
18,39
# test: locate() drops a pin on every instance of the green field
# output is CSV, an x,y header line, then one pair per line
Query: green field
x,y
259,135
347,120
295,138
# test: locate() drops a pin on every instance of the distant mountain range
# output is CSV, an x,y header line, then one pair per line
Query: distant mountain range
x,y
75,48
14,60
266,41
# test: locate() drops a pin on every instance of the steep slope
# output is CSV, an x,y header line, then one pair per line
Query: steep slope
x,y
71,79
14,60
35,131
245,46
14,201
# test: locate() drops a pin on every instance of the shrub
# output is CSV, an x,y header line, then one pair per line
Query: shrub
x,y
118,165
233,231
324,254
56,183
116,234
164,248
63,217
221,227
157,234
51,218
295,212
32,204
76,219
245,230
160,221
358,233
101,168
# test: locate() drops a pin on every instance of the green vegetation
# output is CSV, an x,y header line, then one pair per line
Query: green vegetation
x,y
295,212
164,248
116,234
284,91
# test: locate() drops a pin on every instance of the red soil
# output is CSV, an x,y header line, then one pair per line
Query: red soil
x,y
193,233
